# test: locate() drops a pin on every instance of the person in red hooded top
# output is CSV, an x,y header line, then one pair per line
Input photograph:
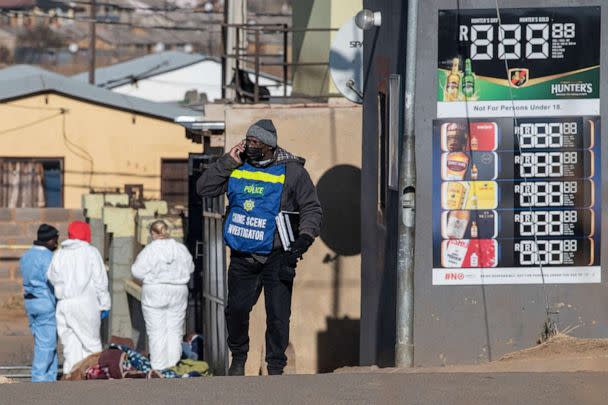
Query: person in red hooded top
x,y
79,278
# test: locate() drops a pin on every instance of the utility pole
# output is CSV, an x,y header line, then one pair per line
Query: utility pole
x,y
404,347
92,42
235,12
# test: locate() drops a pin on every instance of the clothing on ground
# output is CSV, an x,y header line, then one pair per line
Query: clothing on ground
x,y
188,366
79,277
40,309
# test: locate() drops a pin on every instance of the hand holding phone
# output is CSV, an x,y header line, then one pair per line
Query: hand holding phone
x,y
238,152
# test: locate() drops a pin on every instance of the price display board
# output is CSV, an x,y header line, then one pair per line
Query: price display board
x,y
514,195
516,147
530,61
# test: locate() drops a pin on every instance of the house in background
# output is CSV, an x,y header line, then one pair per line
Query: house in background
x,y
62,138
168,76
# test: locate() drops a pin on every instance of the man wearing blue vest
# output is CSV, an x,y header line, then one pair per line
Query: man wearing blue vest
x,y
261,180
40,303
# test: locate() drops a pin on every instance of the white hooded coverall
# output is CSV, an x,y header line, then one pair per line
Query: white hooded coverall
x,y
79,276
165,267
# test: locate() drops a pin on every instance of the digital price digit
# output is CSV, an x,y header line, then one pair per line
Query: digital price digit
x,y
545,193
544,135
537,37
544,164
544,252
545,223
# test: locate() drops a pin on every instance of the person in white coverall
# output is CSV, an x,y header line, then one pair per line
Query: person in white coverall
x,y
164,266
79,277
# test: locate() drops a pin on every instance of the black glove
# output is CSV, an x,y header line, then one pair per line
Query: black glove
x,y
297,249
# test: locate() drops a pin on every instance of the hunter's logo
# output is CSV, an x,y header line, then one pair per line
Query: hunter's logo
x,y
518,77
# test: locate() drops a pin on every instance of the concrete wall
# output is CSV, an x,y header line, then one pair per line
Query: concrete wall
x,y
453,324
18,228
327,136
126,148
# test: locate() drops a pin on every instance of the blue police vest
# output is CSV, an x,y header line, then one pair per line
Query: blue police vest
x,y
254,198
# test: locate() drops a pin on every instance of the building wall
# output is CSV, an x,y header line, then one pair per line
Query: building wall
x,y
453,324
327,136
205,77
384,54
125,148
18,229
314,46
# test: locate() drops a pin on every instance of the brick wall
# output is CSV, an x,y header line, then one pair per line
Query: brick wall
x,y
18,228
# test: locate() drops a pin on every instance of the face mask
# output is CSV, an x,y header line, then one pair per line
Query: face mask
x,y
254,154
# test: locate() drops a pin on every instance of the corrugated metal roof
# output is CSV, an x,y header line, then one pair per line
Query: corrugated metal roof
x,y
140,68
23,80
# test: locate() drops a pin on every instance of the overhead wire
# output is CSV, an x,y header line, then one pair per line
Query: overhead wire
x,y
102,22
461,51
31,107
550,324
29,124
194,10
80,151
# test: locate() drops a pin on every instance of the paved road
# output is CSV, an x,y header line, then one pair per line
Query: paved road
x,y
378,388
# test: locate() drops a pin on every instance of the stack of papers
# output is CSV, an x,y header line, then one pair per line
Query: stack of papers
x,y
287,225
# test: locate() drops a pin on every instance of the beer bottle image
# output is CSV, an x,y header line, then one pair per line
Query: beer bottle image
x,y
456,165
474,230
474,260
468,80
457,224
452,84
474,143
474,172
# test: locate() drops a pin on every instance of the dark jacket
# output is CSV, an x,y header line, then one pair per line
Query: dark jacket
x,y
299,192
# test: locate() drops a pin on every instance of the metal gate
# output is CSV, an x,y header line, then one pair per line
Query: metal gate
x,y
214,285
208,284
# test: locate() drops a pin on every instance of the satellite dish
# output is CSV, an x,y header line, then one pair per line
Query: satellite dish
x,y
159,47
188,48
346,61
73,47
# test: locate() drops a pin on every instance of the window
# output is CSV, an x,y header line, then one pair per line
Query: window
x,y
31,182
174,182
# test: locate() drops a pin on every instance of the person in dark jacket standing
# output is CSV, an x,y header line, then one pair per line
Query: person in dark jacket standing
x,y
261,179
39,302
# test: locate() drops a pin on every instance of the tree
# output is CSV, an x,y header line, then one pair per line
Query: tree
x,y
40,37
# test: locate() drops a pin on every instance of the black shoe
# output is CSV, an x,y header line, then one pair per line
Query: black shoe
x,y
274,371
237,367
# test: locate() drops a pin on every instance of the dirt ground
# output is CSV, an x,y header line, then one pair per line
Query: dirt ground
x,y
561,353
16,342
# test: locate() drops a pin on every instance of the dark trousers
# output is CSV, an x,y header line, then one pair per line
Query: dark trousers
x,y
246,279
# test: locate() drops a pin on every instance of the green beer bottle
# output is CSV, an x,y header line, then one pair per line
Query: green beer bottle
x,y
468,80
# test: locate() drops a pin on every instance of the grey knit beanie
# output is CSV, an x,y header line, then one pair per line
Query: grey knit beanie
x,y
265,131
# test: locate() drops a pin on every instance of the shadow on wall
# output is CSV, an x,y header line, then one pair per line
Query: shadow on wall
x,y
339,191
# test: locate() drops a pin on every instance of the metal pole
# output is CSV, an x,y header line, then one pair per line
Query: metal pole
x,y
404,347
237,76
285,61
256,92
92,43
